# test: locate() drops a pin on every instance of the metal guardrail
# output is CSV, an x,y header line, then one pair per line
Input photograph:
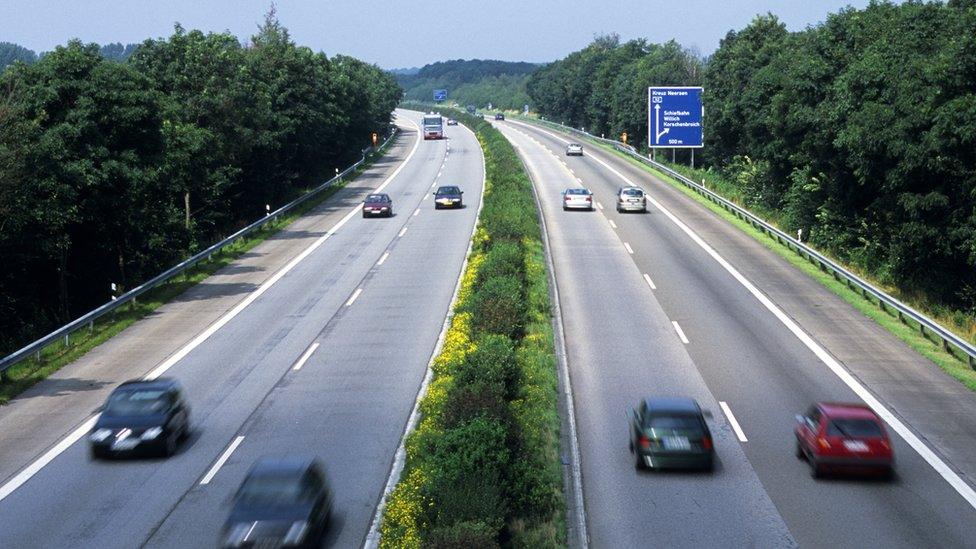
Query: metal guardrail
x,y
885,301
88,320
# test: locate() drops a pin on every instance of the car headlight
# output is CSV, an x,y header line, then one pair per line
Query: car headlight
x,y
100,435
296,533
238,534
152,433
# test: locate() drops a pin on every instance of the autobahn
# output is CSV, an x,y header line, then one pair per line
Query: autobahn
x,y
315,342
648,310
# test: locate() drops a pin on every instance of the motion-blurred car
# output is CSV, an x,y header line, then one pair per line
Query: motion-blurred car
x,y
631,199
574,149
378,204
499,116
451,122
141,417
670,432
843,438
448,197
283,502
578,198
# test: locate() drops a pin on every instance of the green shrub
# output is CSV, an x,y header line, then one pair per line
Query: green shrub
x,y
505,258
479,399
492,361
463,535
498,307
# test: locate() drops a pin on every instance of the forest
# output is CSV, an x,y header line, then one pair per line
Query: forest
x,y
861,131
116,163
475,82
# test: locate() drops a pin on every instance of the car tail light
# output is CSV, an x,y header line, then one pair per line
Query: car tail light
x,y
885,445
567,199
645,442
588,199
707,443
823,443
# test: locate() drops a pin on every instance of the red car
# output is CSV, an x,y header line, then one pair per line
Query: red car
x,y
843,437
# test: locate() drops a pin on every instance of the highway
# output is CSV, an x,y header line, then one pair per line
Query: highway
x,y
648,309
321,351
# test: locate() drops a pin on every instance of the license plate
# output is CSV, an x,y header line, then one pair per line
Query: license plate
x,y
676,443
855,446
125,444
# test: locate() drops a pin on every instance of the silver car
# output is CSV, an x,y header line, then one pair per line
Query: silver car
x,y
577,198
631,199
574,149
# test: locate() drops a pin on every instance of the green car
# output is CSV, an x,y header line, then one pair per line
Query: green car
x,y
670,432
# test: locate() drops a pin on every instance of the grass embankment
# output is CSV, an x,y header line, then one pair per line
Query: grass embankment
x,y
482,468
21,377
929,346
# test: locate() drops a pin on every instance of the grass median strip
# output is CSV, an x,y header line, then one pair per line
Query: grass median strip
x,y
21,377
482,468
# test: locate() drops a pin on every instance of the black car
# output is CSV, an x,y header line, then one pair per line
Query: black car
x,y
141,417
283,502
499,116
448,197
670,432
378,204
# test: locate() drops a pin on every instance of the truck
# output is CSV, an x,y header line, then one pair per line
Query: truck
x,y
433,126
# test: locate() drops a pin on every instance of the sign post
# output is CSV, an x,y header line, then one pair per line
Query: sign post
x,y
674,118
440,95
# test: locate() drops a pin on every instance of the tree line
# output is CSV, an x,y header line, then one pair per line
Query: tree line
x,y
474,82
860,131
113,171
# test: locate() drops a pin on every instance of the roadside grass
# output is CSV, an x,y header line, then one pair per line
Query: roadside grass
x,y
52,358
908,331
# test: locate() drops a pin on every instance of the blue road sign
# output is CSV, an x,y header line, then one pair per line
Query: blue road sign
x,y
440,95
674,117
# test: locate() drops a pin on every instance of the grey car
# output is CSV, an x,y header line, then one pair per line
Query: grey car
x,y
631,199
670,432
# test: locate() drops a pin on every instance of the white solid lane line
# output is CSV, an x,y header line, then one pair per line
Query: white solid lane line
x,y
598,205
304,358
23,476
383,259
355,295
403,231
614,225
940,466
416,212
629,249
681,333
221,460
733,422
650,282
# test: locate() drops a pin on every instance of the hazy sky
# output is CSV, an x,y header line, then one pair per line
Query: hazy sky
x,y
405,34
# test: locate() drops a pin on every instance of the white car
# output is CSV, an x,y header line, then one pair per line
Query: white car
x,y
631,199
451,122
577,198
574,149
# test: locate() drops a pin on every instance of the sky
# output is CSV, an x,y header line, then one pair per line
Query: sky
x,y
409,34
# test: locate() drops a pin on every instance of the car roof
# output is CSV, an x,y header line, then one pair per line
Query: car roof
x,y
282,465
631,188
578,190
575,145
158,384
672,404
448,187
380,195
847,410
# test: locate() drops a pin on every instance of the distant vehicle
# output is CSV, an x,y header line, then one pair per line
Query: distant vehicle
x,y
574,149
670,433
631,199
578,198
451,122
499,116
283,502
448,197
843,437
433,124
471,109
141,417
378,204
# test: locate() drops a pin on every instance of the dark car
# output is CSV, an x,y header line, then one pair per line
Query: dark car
x,y
283,502
670,432
448,197
499,116
843,437
451,122
141,417
378,204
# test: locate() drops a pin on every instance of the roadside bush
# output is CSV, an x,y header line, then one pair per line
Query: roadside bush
x,y
492,361
505,258
497,307
479,399
464,535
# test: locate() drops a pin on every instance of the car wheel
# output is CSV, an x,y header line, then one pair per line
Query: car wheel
x,y
97,454
618,209
639,462
816,470
799,451
169,445
565,208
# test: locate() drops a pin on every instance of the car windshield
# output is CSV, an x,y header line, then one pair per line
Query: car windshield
x,y
448,190
376,198
633,192
867,428
577,191
673,422
271,490
136,403
432,121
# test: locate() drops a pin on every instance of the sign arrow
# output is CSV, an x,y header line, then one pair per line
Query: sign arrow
x,y
657,125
